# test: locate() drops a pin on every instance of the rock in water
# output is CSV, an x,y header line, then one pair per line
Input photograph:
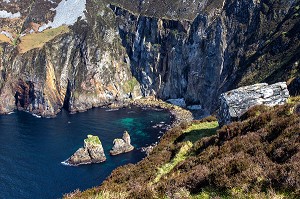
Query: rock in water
x,y
92,152
234,103
122,145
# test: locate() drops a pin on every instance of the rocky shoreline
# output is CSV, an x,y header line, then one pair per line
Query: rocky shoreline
x,y
83,155
179,114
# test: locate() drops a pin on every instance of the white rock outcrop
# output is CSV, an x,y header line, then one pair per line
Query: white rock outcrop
x,y
234,103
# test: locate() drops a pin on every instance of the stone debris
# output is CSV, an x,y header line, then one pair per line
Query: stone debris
x,y
234,103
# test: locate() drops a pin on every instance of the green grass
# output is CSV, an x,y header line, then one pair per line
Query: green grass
x,y
94,140
200,130
234,193
180,156
130,84
293,100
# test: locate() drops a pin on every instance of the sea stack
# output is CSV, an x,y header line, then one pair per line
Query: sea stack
x,y
122,145
92,152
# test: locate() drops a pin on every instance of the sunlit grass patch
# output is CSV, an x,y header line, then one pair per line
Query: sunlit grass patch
x,y
94,140
199,130
293,100
180,156
4,38
38,40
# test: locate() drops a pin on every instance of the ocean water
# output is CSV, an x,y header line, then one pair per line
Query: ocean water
x,y
32,149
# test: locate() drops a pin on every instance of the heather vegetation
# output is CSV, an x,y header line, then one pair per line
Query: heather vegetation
x,y
257,157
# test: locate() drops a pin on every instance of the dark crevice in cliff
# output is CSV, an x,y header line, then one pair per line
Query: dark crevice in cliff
x,y
24,95
66,104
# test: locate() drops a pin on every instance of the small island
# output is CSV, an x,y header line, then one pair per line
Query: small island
x,y
92,152
122,145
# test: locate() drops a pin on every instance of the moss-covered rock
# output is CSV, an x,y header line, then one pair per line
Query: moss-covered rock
x,y
92,152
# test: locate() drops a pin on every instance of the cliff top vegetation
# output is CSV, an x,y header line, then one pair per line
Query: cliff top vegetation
x,y
93,140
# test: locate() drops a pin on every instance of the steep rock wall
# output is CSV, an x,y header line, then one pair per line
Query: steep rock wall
x,y
238,43
193,50
79,69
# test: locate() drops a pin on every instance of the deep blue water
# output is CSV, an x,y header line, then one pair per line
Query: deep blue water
x,y
32,149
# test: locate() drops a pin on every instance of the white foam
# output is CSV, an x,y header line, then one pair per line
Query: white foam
x,y
113,109
66,164
35,115
67,13
10,113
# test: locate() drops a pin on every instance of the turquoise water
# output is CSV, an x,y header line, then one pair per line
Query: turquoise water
x,y
32,149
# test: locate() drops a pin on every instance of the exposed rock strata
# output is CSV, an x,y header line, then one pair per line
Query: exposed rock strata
x,y
92,152
236,102
194,50
122,145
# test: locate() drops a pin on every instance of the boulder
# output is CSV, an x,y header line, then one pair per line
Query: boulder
x,y
234,103
122,145
92,152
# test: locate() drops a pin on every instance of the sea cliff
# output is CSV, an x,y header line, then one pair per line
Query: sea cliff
x,y
115,50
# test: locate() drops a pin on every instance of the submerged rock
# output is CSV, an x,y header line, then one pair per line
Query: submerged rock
x,y
122,145
92,152
236,102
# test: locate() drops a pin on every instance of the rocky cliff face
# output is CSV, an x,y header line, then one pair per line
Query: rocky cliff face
x,y
112,50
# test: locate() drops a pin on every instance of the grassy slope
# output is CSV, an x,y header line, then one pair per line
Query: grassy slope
x,y
255,158
4,38
38,40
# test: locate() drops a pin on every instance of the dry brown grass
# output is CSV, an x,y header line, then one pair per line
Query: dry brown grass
x,y
38,40
4,38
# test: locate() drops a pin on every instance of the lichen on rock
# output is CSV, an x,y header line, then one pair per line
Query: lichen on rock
x,y
122,145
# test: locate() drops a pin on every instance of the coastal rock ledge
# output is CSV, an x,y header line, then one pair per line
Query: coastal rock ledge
x,y
234,103
122,145
92,152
